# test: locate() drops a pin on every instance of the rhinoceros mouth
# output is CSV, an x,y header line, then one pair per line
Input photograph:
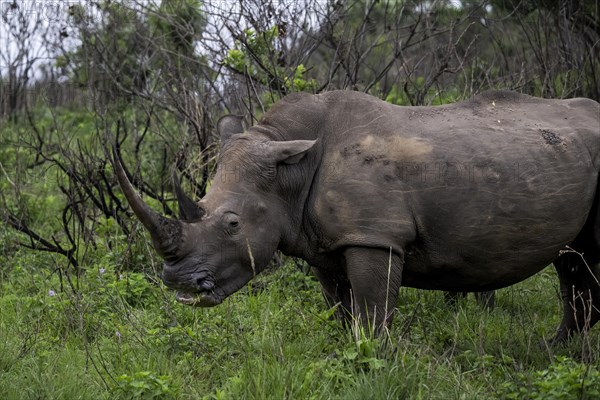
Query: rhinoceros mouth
x,y
202,299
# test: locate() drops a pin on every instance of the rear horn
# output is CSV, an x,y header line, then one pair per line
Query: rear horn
x,y
188,208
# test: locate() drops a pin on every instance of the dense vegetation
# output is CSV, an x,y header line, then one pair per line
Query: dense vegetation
x,y
118,334
83,313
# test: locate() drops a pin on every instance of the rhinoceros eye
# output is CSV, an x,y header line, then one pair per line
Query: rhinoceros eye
x,y
233,223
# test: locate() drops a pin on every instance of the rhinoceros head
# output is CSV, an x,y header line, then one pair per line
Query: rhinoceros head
x,y
219,243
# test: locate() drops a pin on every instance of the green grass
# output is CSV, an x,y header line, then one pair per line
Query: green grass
x,y
114,334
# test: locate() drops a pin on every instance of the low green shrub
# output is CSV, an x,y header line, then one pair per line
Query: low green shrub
x,y
563,379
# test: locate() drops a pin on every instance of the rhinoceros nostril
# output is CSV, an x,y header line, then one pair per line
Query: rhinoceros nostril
x,y
205,284
203,281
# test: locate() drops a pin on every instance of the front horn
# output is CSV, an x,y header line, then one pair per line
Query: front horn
x,y
166,233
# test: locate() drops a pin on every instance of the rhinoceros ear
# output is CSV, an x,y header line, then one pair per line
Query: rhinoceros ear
x,y
289,152
228,126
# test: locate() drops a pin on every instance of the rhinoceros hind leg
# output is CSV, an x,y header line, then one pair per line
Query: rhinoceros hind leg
x,y
579,273
580,292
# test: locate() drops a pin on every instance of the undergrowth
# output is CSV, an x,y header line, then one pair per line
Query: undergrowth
x,y
109,333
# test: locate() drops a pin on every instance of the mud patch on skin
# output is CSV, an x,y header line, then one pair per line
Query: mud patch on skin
x,y
399,148
550,137
384,149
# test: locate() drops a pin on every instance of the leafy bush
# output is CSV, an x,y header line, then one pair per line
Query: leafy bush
x,y
365,353
144,385
563,379
252,55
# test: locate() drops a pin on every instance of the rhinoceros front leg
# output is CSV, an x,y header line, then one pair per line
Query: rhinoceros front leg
x,y
375,276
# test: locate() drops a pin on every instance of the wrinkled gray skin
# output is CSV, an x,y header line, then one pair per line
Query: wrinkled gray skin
x,y
472,196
